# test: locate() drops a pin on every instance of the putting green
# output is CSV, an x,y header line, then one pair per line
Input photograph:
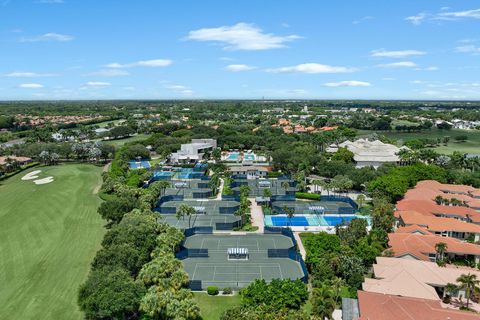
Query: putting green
x,y
48,236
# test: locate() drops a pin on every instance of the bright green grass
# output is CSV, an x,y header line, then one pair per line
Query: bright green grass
x,y
48,236
120,142
212,307
472,145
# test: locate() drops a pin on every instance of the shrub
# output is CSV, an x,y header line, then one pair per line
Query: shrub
x,y
227,291
212,290
306,195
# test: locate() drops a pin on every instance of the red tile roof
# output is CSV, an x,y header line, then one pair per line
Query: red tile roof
x,y
419,246
436,224
378,306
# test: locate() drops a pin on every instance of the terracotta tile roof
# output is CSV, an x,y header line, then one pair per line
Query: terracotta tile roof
x,y
412,278
430,207
437,224
377,306
419,246
413,229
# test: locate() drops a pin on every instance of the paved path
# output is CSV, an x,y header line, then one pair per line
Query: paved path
x,y
256,213
301,248
220,190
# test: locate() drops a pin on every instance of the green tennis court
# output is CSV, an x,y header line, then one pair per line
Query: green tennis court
x,y
258,186
202,221
270,256
203,206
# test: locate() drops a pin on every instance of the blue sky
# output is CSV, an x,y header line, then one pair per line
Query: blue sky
x,y
87,49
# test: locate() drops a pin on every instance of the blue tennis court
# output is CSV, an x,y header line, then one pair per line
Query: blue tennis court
x,y
310,220
139,164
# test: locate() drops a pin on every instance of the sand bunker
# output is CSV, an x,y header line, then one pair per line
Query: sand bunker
x,y
32,175
44,180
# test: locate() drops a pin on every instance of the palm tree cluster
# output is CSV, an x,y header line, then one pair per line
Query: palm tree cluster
x,y
338,184
450,202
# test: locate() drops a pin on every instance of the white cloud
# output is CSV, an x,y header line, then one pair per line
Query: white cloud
x,y
475,14
30,86
155,63
432,68
417,19
362,19
179,89
48,37
312,68
241,36
396,54
468,49
22,74
97,84
349,83
444,15
109,73
239,67
401,64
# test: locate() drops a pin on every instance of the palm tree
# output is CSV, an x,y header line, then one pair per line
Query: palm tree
x,y
439,199
163,185
289,212
323,303
285,185
440,248
361,200
185,210
337,283
469,283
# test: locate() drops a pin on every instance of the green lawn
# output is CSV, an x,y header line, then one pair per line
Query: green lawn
x,y
48,236
120,142
212,307
472,145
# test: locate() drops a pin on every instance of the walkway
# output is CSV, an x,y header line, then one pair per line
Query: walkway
x,y
301,248
220,190
256,213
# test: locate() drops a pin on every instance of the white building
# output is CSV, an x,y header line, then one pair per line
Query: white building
x,y
369,153
252,172
194,151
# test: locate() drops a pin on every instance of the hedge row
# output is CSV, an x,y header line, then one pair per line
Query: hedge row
x,y
308,196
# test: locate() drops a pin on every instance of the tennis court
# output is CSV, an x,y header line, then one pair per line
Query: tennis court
x,y
217,222
202,206
187,193
257,186
311,207
270,256
144,164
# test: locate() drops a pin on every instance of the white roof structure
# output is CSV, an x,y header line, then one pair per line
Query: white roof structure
x,y
371,152
193,151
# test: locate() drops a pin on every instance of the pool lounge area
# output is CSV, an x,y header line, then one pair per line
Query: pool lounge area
x,y
311,222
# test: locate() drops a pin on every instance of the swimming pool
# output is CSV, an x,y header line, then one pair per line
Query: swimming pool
x,y
309,220
132,164
232,156
249,156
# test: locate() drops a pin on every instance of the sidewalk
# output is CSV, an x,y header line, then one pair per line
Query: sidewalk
x,y
220,190
256,213
301,248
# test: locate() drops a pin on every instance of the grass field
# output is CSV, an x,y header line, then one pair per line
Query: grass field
x,y
120,142
48,236
212,307
472,145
